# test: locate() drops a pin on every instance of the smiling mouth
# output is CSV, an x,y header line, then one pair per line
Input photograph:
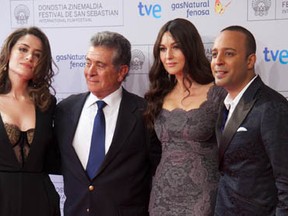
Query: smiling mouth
x,y
220,73
27,66
93,81
170,64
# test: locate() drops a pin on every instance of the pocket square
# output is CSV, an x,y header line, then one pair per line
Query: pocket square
x,y
241,129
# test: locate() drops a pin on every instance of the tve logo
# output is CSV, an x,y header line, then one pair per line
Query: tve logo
x,y
150,10
276,55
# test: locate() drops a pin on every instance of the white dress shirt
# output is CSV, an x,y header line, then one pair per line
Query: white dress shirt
x,y
232,103
83,134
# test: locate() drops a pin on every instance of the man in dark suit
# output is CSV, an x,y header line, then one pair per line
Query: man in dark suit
x,y
253,146
121,185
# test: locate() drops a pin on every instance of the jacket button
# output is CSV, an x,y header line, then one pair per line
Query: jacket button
x,y
91,188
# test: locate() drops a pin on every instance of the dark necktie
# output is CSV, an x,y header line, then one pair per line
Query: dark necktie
x,y
97,149
225,116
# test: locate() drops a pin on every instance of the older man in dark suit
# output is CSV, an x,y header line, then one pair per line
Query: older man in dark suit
x,y
107,167
253,142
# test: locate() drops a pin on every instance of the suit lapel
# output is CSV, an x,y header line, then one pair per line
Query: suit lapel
x,y
241,111
72,118
73,115
239,114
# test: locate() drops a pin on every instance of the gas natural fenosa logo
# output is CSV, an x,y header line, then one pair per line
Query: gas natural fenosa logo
x,y
220,6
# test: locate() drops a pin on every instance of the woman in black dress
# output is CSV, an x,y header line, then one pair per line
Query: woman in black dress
x,y
26,109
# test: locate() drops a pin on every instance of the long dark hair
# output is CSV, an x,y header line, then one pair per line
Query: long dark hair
x,y
40,85
196,68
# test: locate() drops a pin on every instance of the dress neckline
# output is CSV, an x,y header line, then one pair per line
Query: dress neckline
x,y
209,93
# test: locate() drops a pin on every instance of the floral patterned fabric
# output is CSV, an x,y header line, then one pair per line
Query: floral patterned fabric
x,y
20,141
185,183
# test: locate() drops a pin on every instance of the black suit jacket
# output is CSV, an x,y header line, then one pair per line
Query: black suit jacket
x,y
122,184
253,155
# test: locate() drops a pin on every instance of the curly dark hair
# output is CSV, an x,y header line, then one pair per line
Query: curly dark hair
x,y
40,85
197,66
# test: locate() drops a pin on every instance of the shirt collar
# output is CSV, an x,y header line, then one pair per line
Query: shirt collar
x,y
110,100
230,102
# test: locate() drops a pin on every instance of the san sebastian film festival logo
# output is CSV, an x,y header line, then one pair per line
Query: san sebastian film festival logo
x,y
137,61
261,7
21,14
68,13
262,10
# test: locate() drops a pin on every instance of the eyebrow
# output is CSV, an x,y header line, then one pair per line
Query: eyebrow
x,y
26,45
174,43
225,48
97,62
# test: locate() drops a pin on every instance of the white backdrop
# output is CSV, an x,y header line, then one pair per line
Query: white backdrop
x,y
69,24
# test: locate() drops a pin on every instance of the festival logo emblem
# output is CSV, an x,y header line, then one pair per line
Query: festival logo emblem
x,y
137,60
21,14
261,7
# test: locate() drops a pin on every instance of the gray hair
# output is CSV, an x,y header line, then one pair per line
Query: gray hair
x,y
117,42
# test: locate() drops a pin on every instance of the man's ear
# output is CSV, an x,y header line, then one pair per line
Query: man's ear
x,y
123,71
251,60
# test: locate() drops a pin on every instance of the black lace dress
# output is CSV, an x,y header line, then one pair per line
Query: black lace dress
x,y
25,189
185,183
